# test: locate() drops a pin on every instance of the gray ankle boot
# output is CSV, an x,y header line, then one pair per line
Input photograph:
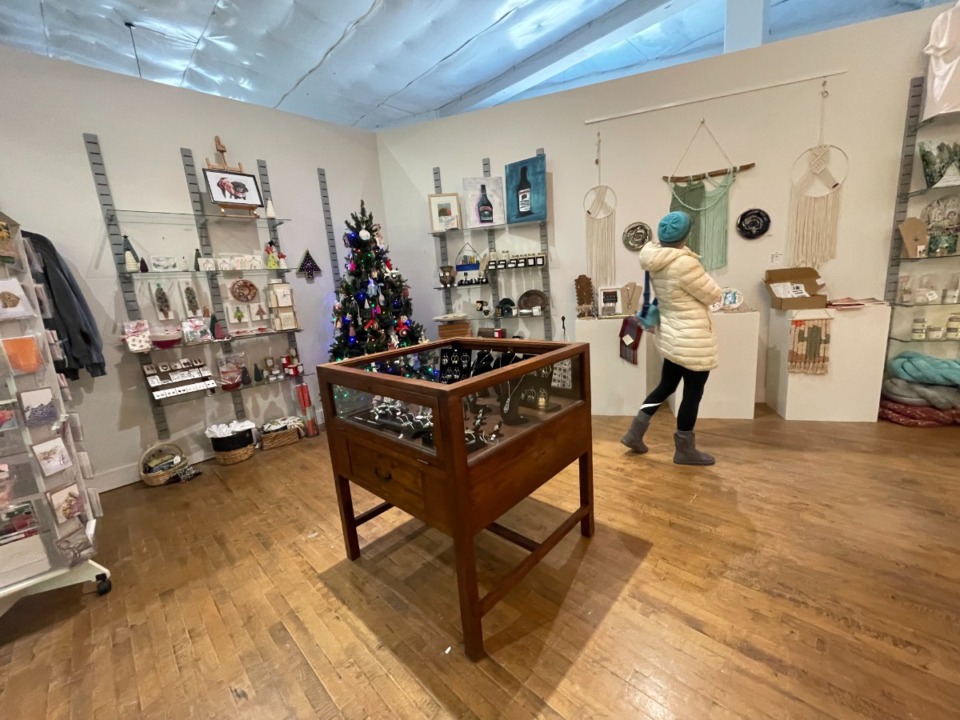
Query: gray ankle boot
x,y
634,437
687,453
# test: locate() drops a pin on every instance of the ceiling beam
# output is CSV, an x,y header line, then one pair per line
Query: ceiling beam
x,y
620,24
747,24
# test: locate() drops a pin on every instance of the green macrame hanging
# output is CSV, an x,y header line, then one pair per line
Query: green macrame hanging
x,y
706,197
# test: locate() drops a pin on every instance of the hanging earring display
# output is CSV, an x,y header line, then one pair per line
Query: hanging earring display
x,y
600,204
706,197
816,189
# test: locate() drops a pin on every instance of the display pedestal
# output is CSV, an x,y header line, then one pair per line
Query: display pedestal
x,y
850,391
731,391
617,386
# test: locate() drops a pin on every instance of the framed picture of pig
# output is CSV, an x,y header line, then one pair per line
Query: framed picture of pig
x,y
233,188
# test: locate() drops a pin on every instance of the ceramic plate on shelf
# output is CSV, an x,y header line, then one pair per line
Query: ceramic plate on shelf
x,y
531,299
753,224
244,291
731,299
636,235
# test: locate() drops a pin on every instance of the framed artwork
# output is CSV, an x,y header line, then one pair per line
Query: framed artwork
x,y
8,418
483,202
52,456
233,188
526,188
444,212
66,503
39,407
164,263
206,264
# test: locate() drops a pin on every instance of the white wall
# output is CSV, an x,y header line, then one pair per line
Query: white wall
x,y
46,185
865,116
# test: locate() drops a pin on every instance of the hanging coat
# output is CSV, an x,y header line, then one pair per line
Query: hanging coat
x,y
72,319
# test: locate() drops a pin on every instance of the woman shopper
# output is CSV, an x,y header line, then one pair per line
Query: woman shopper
x,y
685,337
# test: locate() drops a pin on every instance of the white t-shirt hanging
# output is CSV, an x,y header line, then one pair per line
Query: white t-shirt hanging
x,y
943,72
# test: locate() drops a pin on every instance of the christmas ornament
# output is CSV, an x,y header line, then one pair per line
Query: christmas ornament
x,y
245,376
163,302
190,296
364,234
270,212
131,260
143,265
196,260
257,373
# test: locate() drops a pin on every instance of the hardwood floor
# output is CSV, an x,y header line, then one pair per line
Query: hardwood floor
x,y
814,572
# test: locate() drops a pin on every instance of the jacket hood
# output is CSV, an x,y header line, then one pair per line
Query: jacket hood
x,y
655,257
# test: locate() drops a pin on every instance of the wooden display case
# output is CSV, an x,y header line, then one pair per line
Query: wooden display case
x,y
455,433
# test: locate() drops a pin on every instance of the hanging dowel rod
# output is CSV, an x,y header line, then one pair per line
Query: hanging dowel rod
x,y
732,93
712,173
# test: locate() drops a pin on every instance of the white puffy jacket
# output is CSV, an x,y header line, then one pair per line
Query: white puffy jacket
x,y
685,293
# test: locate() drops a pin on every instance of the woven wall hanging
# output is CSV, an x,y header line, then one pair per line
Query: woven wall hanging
x,y
809,347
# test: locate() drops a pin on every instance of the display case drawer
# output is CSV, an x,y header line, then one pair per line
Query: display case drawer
x,y
397,481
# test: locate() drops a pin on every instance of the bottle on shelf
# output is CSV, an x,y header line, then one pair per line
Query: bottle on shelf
x,y
484,207
524,201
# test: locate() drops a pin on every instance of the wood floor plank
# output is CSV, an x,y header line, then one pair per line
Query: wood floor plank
x,y
812,574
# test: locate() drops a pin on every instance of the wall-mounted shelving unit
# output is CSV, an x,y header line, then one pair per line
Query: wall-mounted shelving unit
x,y
204,218
542,271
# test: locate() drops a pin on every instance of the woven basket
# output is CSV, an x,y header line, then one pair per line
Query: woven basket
x,y
232,457
269,441
161,478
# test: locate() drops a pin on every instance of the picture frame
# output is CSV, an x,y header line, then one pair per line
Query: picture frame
x,y
475,189
13,301
66,503
610,301
444,212
233,189
526,190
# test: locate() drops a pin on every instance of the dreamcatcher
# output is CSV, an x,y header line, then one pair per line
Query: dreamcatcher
x,y
817,180
600,204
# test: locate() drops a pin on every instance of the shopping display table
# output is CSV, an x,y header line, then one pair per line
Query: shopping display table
x,y
456,433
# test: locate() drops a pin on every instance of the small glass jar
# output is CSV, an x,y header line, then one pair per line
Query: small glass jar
x,y
953,327
935,332
919,329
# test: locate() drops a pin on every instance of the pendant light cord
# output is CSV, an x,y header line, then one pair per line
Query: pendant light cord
x,y
130,26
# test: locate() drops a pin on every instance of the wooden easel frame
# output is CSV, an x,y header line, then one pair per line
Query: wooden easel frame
x,y
221,157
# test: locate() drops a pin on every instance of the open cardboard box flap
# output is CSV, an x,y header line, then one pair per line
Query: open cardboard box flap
x,y
806,276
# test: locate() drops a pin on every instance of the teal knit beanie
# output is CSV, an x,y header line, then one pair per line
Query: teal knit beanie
x,y
674,227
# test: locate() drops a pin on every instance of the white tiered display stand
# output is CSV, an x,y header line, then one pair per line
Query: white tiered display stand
x,y
38,553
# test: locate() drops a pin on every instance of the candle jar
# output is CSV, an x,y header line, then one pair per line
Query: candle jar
x,y
953,327
935,332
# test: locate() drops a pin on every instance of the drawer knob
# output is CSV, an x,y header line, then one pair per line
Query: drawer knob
x,y
385,478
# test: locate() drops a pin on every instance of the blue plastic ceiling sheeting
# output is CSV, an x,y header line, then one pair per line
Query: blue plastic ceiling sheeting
x,y
377,63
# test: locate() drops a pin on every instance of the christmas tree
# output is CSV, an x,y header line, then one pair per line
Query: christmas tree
x,y
308,266
373,309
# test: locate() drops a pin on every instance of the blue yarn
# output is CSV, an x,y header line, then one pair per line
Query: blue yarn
x,y
917,367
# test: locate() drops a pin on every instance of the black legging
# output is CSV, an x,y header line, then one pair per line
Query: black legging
x,y
693,384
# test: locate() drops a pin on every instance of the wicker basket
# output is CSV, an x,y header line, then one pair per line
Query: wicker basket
x,y
156,479
269,441
232,457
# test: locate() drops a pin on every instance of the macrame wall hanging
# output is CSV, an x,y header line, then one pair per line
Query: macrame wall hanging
x,y
600,204
809,347
706,197
816,189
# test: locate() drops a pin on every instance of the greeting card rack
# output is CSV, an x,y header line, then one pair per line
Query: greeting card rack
x,y
203,217
47,518
493,272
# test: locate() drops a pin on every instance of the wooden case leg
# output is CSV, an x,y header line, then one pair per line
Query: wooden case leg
x,y
586,493
470,616
347,520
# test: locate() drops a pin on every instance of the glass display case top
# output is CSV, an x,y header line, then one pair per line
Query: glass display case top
x,y
491,415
